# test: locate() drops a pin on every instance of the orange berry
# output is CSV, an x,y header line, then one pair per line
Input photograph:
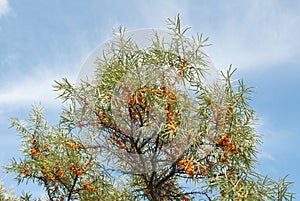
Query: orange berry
x,y
142,90
170,127
33,140
233,149
85,184
172,96
231,107
157,92
181,72
175,113
33,151
26,172
170,117
182,163
78,171
210,105
72,145
122,146
190,171
52,178
70,167
105,121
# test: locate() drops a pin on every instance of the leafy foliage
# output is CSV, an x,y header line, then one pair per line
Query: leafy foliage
x,y
56,160
6,196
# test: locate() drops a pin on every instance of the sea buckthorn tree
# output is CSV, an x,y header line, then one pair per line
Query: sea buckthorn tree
x,y
156,118
151,116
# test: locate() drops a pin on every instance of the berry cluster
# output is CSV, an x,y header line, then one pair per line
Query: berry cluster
x,y
187,164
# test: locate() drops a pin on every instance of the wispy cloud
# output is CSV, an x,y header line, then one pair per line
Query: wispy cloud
x,y
4,8
34,88
251,33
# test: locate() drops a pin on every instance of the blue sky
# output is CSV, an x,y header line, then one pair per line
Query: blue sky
x,y
41,41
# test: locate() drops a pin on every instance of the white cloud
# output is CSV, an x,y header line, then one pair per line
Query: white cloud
x,y
4,8
34,88
253,33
